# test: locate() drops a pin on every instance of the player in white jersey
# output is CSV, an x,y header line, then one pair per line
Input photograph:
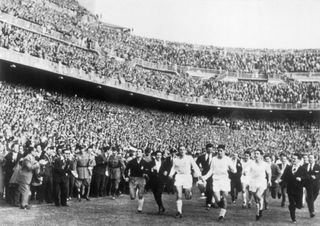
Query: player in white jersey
x,y
181,168
246,164
260,177
220,165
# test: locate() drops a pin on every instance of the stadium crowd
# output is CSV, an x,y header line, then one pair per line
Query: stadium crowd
x,y
51,124
68,4
129,47
60,146
23,41
40,13
238,60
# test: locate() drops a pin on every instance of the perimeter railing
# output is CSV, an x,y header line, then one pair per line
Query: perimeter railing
x,y
31,61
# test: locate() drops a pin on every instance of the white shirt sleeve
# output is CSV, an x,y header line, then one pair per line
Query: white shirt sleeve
x,y
210,172
196,170
232,167
268,171
173,170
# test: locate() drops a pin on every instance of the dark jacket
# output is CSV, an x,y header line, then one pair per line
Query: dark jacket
x,y
101,165
204,164
137,169
282,183
60,170
159,177
237,175
9,164
293,186
48,167
275,172
312,172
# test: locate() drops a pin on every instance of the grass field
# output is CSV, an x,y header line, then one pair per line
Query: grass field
x,y
122,211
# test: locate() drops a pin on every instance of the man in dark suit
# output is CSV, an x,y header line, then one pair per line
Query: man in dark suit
x,y
47,184
60,180
284,163
204,162
275,177
312,183
158,176
11,160
235,181
294,177
99,174
169,187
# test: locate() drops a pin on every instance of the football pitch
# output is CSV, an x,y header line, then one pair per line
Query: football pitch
x,y
122,211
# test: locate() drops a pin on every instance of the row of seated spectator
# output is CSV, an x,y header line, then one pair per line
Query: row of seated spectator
x,y
24,41
128,46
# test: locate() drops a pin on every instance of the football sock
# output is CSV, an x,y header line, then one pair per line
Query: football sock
x,y
222,212
140,204
179,205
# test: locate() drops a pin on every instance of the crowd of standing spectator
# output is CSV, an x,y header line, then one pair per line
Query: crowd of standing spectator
x,y
45,130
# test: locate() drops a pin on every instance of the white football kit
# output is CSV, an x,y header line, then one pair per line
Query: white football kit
x,y
182,168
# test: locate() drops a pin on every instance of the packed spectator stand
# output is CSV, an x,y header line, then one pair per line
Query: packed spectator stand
x,y
56,122
24,41
129,47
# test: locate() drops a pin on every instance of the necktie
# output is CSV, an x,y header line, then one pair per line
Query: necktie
x,y
208,159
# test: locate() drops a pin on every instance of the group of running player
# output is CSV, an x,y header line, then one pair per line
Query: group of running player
x,y
256,179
